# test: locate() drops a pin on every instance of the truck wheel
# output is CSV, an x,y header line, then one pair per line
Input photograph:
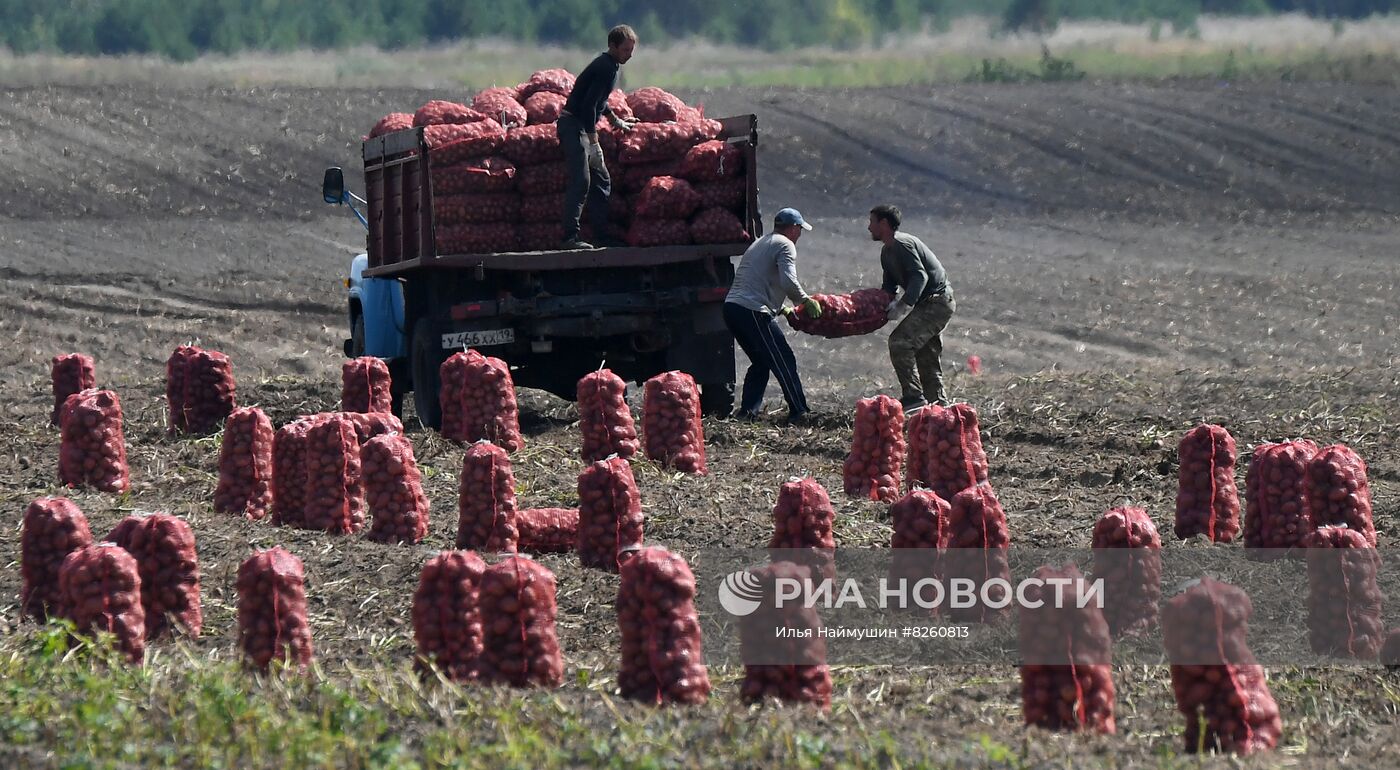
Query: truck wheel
x,y
717,399
426,357
357,337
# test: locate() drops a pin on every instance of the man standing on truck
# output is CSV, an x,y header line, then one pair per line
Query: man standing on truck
x,y
767,274
916,344
578,133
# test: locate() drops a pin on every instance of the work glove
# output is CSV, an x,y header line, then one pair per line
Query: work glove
x,y
621,124
812,307
896,310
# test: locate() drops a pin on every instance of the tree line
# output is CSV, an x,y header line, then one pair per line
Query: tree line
x,y
183,29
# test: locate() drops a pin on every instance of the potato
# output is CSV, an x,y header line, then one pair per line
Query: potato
x,y
1344,597
519,644
1132,579
447,625
100,590
486,513
394,490
662,660
793,668
978,538
1206,501
1067,654
674,435
71,373
166,560
605,421
478,401
245,465
92,447
199,389
365,385
872,469
272,621
611,521
53,528
1338,492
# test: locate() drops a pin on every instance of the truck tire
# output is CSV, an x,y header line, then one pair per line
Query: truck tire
x,y
357,336
717,399
426,359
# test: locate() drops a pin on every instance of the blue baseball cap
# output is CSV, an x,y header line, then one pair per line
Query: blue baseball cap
x,y
787,217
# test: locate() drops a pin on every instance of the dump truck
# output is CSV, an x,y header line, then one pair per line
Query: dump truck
x,y
553,316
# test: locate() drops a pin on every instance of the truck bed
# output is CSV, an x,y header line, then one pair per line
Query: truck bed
x,y
401,227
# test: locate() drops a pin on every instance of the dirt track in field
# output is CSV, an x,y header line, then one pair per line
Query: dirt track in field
x,y
1128,260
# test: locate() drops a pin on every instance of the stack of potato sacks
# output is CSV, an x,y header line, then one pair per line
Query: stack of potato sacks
x,y
498,176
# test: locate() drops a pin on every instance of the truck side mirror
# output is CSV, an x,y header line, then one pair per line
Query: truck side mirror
x,y
333,186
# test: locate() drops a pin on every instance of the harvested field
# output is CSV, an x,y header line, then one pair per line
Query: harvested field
x,y
1128,260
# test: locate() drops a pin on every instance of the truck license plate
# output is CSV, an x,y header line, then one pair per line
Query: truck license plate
x,y
477,339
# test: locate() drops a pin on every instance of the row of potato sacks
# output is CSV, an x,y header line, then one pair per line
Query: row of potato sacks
x,y
498,175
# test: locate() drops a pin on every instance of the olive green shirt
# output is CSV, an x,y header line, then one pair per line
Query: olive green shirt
x,y
909,264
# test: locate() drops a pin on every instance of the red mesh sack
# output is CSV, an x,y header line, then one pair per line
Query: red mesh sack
x,y
920,521
451,145
1128,559
92,447
541,236
1276,509
548,530
845,315
617,102
803,675
289,473
1067,677
718,226
662,659
520,646
100,590
245,465
666,197
712,161
393,491
72,373
634,178
1344,597
1206,500
438,112
802,521
490,174
53,528
200,389
364,385
501,105
164,549
543,179
447,625
368,425
654,105
675,437
605,420
1338,493
547,208
977,550
1390,650
554,82
334,488
272,610
1219,686
543,107
533,145
653,142
478,401
486,514
659,232
475,208
945,449
610,518
491,238
394,121
872,469
725,194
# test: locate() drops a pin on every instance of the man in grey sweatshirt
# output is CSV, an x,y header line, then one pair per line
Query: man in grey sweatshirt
x,y
916,344
767,274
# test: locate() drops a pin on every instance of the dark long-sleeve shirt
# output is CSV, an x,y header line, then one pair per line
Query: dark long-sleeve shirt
x,y
589,99
909,264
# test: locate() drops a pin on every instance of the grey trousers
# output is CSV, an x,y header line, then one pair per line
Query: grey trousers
x,y
588,180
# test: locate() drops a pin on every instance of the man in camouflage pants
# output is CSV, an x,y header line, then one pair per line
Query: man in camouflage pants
x,y
916,344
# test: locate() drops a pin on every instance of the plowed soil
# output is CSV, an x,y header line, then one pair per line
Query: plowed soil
x,y
1128,260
